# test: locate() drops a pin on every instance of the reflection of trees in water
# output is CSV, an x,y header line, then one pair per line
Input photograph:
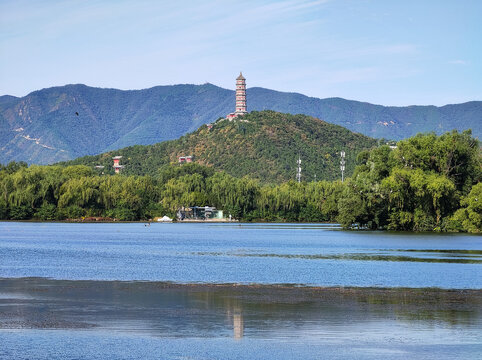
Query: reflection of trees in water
x,y
452,317
428,305
183,310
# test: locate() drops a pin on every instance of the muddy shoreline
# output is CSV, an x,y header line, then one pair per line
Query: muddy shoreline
x,y
33,283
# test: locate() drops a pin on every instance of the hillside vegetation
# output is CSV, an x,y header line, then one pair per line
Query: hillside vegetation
x,y
62,123
264,145
428,183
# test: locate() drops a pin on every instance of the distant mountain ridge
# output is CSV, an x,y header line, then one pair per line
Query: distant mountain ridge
x,y
62,123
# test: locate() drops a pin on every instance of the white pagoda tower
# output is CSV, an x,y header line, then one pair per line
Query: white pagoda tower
x,y
241,107
240,95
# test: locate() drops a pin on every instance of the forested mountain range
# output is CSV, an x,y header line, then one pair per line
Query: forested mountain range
x,y
262,144
66,122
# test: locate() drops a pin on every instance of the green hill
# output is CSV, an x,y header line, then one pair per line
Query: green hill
x,y
63,123
264,145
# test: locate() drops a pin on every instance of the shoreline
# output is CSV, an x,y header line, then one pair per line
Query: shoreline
x,y
79,221
335,225
239,287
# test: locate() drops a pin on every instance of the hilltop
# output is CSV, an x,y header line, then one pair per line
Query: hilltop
x,y
264,145
62,123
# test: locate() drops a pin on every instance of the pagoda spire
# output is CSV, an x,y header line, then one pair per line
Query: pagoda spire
x,y
240,95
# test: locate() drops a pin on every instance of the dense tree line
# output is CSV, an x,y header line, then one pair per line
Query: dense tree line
x,y
426,183
56,193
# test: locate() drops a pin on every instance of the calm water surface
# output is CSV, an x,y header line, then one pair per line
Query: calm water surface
x,y
240,253
41,318
61,298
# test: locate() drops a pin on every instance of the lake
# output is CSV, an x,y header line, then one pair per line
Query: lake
x,y
306,254
236,291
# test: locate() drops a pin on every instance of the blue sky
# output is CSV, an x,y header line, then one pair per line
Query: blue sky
x,y
385,52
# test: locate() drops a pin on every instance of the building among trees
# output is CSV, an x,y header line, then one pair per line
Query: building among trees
x,y
117,167
185,159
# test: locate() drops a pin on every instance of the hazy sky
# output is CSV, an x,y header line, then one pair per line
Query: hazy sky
x,y
386,52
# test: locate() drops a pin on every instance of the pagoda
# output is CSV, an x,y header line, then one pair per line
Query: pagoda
x,y
240,108
117,167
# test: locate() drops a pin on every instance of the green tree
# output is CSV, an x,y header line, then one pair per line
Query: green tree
x,y
469,217
47,212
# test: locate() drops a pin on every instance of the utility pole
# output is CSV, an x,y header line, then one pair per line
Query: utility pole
x,y
342,165
298,172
